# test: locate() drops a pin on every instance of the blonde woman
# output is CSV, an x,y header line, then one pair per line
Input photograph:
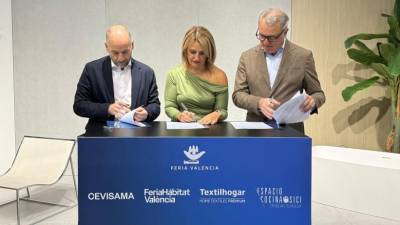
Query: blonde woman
x,y
197,90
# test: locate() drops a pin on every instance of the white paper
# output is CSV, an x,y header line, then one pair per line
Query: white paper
x,y
128,118
184,126
250,125
289,112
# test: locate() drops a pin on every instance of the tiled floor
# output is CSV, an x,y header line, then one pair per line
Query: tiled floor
x,y
33,213
327,215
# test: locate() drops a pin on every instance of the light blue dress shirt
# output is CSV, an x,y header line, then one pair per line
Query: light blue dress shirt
x,y
273,62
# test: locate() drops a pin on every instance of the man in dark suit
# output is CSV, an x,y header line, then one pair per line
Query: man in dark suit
x,y
113,85
274,71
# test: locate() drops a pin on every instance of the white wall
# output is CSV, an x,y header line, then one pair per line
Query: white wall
x,y
7,131
53,39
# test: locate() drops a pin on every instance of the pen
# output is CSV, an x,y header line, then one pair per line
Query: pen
x,y
271,99
270,102
184,107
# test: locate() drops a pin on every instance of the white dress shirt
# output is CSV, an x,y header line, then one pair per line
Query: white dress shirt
x,y
122,82
273,62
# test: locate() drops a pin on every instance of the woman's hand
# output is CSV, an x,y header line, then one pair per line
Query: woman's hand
x,y
211,118
186,117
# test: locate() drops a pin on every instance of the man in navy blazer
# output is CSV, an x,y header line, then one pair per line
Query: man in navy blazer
x,y
113,85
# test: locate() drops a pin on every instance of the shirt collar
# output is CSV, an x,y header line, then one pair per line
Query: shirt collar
x,y
114,67
279,51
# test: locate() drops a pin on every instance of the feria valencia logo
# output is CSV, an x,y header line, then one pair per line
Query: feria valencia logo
x,y
191,161
193,154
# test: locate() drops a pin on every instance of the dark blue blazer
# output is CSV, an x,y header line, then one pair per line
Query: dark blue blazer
x,y
95,91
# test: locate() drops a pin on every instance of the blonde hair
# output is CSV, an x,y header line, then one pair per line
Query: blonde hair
x,y
205,39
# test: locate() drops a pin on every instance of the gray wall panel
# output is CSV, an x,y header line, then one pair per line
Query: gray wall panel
x,y
7,133
52,41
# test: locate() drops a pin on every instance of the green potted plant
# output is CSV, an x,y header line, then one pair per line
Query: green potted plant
x,y
386,64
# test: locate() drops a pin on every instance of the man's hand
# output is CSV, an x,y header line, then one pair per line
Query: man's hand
x,y
308,104
211,118
140,114
267,106
118,109
186,117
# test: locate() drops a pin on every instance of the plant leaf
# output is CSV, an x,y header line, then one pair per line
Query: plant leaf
x,y
382,70
396,9
365,58
394,27
394,64
348,92
363,47
349,41
387,50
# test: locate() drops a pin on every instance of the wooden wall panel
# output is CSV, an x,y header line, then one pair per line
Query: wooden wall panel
x,y
322,26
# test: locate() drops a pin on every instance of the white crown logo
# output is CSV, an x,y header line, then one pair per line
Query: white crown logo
x,y
193,155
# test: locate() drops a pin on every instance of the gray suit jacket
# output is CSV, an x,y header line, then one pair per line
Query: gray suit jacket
x,y
296,72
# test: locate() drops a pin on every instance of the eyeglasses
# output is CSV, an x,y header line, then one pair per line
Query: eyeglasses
x,y
270,38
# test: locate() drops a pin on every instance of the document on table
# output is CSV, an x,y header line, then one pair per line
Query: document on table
x,y
250,125
128,118
184,126
289,112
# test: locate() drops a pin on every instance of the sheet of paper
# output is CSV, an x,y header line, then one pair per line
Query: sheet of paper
x,y
289,112
119,124
250,125
184,126
128,118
